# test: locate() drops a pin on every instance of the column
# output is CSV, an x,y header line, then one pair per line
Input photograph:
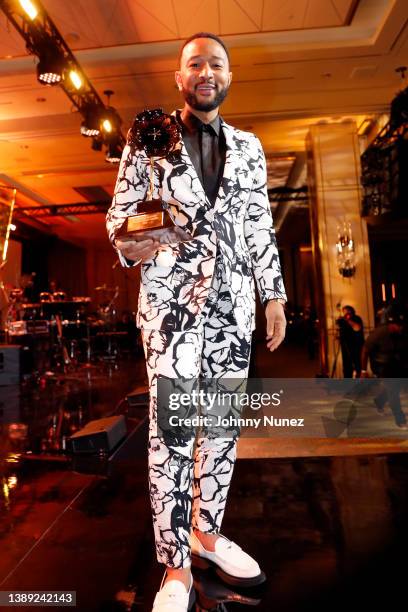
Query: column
x,y
334,182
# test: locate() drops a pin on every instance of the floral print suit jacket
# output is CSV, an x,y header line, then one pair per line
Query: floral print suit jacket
x,y
175,283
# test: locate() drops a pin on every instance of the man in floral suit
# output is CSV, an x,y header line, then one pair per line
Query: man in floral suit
x,y
197,307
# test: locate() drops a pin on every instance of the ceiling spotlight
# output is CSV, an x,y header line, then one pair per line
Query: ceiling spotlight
x,y
50,68
110,121
114,152
107,126
91,124
29,8
75,79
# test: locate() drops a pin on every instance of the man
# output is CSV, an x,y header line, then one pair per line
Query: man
x,y
351,341
386,347
197,307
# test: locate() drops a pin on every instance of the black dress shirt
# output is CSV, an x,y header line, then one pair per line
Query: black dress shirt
x,y
205,144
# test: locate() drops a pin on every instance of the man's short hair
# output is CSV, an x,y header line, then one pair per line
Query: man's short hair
x,y
205,35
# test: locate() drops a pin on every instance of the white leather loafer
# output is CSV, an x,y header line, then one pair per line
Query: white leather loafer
x,y
173,597
231,563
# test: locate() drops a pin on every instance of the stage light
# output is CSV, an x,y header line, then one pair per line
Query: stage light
x,y
75,79
110,121
91,124
50,68
114,152
107,126
29,8
89,129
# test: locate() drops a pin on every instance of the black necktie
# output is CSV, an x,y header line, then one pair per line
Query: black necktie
x,y
207,169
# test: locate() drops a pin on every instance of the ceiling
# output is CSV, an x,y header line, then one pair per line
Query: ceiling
x,y
294,63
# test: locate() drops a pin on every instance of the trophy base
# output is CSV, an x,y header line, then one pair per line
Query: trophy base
x,y
150,216
151,222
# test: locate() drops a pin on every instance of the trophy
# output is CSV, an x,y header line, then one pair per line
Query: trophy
x,y
158,135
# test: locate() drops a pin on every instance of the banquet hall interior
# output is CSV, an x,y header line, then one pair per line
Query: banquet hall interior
x,y
323,85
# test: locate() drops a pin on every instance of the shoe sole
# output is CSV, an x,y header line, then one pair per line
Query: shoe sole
x,y
202,563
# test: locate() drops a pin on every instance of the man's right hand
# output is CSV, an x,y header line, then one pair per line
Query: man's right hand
x,y
137,250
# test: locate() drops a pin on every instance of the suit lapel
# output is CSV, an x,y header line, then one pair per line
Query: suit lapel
x,y
231,161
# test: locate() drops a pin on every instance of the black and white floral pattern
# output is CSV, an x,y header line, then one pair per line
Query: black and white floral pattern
x,y
175,283
189,479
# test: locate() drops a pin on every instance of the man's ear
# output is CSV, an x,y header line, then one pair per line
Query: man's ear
x,y
177,76
230,78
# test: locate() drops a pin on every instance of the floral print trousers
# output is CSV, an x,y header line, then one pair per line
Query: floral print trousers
x,y
189,483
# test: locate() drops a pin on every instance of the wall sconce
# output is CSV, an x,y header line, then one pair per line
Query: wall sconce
x,y
346,263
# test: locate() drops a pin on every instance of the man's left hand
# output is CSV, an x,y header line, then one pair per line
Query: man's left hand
x,y
275,324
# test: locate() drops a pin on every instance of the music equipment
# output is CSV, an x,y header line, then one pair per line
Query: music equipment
x,y
67,309
138,397
9,364
16,294
59,296
101,435
45,296
81,300
22,328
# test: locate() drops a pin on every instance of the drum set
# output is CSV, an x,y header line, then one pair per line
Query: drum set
x,y
59,333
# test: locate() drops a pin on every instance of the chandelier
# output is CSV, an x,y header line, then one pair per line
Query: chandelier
x,y
346,263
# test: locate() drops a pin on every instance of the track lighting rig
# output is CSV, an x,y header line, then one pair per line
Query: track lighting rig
x,y
57,65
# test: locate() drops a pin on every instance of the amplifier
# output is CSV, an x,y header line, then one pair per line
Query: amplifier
x,y
101,435
9,364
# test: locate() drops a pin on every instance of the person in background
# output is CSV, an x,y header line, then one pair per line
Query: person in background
x,y
351,341
386,348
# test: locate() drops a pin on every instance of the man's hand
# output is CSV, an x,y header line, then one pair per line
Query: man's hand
x,y
275,324
137,250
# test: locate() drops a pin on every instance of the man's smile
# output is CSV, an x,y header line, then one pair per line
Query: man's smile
x,y
205,88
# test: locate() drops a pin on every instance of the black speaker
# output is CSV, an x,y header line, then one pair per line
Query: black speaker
x,y
98,436
9,364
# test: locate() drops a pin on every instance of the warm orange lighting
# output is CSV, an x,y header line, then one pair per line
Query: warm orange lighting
x,y
29,8
7,197
75,79
12,482
107,126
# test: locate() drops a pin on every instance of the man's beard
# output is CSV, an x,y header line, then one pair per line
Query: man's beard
x,y
192,101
